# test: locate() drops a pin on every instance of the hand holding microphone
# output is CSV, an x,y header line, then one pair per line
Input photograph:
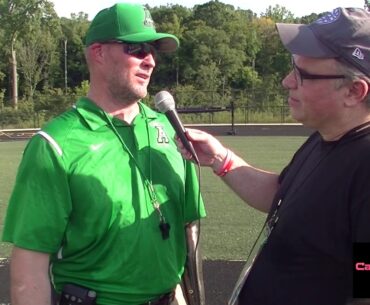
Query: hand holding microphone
x,y
165,103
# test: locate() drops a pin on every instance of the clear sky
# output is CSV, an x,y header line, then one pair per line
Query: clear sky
x,y
64,8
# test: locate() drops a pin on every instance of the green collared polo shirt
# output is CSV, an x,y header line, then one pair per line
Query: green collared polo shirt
x,y
81,195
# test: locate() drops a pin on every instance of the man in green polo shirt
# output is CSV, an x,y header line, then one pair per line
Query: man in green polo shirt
x,y
102,198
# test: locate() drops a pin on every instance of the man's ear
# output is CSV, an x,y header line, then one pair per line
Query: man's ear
x,y
357,92
96,51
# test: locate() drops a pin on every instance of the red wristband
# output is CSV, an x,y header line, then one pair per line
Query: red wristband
x,y
226,166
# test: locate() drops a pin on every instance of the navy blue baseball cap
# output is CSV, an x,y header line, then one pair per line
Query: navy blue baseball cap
x,y
343,33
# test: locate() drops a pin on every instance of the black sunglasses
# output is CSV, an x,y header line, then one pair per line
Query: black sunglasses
x,y
138,50
301,74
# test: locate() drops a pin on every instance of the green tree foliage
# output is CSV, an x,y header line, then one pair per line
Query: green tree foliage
x,y
3,68
278,13
37,56
18,18
226,55
172,20
222,41
216,14
71,51
307,19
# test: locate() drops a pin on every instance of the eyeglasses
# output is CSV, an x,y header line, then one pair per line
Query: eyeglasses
x,y
138,50
301,74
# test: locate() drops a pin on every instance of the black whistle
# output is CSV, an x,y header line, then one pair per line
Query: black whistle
x,y
165,229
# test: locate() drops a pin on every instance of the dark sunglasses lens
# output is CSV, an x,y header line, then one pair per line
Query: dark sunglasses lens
x,y
140,50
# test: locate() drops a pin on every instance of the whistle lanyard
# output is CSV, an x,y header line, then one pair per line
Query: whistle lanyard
x,y
163,225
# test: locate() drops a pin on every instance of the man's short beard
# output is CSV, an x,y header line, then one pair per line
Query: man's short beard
x,y
126,95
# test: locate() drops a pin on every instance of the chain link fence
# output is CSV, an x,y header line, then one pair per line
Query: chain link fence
x,y
194,107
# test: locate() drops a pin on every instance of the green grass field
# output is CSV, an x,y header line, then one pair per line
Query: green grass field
x,y
231,226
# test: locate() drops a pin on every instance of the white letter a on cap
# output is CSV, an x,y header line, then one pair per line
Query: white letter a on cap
x,y
358,53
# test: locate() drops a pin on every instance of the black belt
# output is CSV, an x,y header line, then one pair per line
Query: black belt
x,y
165,299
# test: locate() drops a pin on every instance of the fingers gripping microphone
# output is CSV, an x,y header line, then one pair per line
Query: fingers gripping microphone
x,y
165,103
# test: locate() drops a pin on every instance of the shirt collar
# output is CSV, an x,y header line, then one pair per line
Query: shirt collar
x,y
96,117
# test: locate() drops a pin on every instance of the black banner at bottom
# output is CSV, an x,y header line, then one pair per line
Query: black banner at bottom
x,y
361,270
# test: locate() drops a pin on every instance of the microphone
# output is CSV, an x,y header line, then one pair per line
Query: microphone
x,y
165,103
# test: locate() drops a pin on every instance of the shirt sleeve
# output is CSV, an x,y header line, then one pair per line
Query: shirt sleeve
x,y
40,203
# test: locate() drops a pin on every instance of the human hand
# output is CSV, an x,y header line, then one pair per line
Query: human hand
x,y
209,150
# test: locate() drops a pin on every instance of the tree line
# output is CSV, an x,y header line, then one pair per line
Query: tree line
x,y
225,54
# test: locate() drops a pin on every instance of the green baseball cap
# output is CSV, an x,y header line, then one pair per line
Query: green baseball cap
x,y
131,23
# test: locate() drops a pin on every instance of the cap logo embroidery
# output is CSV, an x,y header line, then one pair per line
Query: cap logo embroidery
x,y
330,17
358,54
148,20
